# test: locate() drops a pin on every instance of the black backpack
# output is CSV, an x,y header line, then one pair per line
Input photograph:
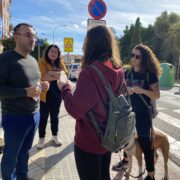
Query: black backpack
x,y
121,120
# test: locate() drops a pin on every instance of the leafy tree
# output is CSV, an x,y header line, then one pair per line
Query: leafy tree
x,y
162,24
8,43
125,42
147,35
163,40
136,36
174,18
174,38
163,37
42,48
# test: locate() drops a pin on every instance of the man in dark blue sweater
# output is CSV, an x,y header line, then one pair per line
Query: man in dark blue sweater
x,y
19,91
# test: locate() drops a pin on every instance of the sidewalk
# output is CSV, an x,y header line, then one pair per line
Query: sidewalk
x,y
57,163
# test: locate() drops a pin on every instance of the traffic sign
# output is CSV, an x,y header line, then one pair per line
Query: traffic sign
x,y
40,42
97,9
68,44
93,22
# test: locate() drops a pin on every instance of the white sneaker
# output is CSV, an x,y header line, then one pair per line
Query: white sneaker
x,y
56,141
40,144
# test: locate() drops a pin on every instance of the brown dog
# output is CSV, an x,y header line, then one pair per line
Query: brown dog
x,y
160,141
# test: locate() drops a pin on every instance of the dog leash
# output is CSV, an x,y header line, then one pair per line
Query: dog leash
x,y
128,174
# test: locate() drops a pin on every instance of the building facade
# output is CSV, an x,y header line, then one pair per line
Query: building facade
x,y
5,18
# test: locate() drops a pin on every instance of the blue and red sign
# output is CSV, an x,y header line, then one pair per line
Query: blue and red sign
x,y
97,9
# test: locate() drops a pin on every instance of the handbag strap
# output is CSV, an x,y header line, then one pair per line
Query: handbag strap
x,y
144,101
108,86
90,113
95,124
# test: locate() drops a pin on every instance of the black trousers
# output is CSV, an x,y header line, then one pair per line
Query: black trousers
x,y
92,166
145,143
51,107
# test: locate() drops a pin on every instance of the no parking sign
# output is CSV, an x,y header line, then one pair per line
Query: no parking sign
x,y
97,9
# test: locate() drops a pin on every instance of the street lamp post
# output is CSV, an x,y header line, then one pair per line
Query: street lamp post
x,y
64,25
39,43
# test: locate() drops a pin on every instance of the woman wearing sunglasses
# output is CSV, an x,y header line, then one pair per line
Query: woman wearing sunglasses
x,y
143,85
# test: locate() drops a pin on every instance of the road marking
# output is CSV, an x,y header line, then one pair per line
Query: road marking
x,y
170,102
177,110
169,93
174,147
169,119
160,108
171,139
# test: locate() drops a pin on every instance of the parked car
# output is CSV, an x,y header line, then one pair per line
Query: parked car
x,y
74,70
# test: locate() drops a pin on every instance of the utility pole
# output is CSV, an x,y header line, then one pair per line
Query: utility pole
x,y
64,25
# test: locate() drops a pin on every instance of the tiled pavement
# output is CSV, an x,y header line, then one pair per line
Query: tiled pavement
x,y
57,163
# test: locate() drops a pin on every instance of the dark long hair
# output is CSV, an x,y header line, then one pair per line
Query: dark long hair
x,y
57,61
100,45
149,61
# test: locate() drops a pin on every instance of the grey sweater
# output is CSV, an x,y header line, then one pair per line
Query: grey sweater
x,y
16,74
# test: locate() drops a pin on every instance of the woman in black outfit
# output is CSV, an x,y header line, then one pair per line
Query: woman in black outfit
x,y
142,80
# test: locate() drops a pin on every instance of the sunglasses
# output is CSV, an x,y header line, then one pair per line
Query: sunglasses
x,y
136,56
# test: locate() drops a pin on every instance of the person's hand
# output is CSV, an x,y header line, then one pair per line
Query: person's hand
x,y
63,80
45,85
130,91
51,73
55,74
33,91
138,90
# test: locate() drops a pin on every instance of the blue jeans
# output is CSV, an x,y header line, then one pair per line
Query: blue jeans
x,y
19,131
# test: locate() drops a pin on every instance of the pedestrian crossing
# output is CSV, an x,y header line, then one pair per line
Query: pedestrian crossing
x,y
177,111
169,119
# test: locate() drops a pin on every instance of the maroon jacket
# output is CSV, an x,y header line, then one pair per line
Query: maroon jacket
x,y
91,94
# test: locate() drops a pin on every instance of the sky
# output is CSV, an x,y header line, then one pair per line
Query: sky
x,y
68,18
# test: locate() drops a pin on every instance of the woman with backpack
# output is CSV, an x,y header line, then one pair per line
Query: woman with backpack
x,y
143,85
100,49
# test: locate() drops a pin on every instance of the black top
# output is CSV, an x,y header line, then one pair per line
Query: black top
x,y
143,80
16,74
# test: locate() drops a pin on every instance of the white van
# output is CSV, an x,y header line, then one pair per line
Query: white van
x,y
74,70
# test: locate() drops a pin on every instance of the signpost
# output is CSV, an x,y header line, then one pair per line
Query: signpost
x,y
39,43
93,22
97,9
68,45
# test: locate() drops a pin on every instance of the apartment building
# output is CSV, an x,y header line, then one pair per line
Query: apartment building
x,y
5,18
